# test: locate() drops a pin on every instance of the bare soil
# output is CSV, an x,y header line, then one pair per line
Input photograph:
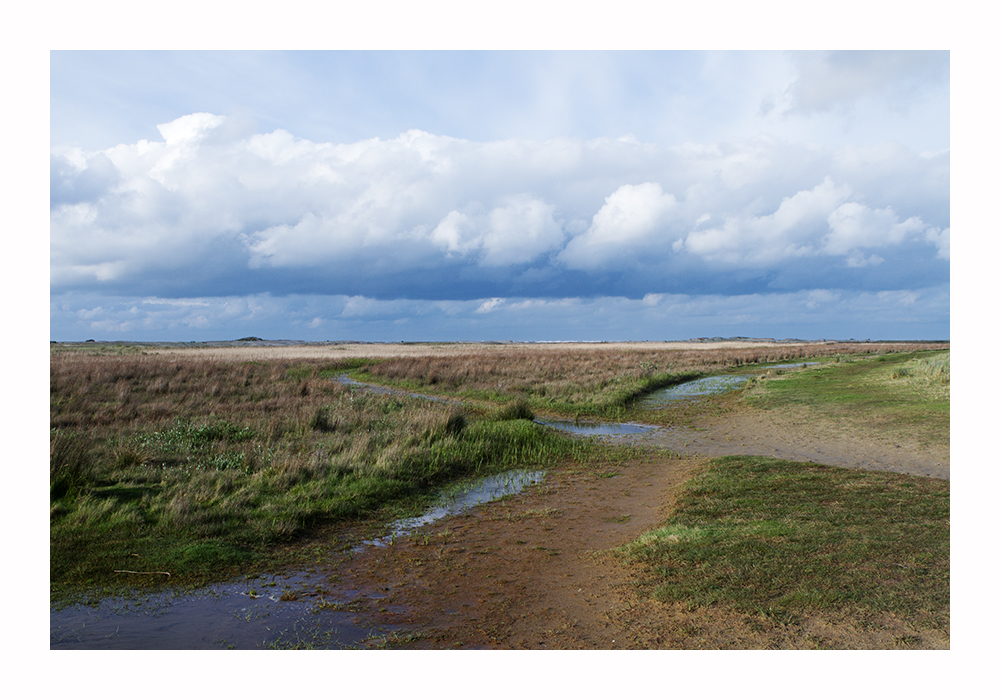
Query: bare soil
x,y
536,571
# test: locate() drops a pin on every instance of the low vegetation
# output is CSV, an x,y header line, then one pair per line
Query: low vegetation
x,y
182,470
195,468
904,395
592,381
786,539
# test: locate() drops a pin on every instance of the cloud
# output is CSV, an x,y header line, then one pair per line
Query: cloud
x,y
512,234
489,305
790,231
831,79
217,210
631,216
941,239
816,313
854,226
808,224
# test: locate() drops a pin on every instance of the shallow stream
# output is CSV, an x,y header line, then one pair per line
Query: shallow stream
x,y
292,611
706,386
460,499
296,610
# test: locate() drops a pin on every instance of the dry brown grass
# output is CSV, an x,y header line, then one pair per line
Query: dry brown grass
x,y
87,391
593,375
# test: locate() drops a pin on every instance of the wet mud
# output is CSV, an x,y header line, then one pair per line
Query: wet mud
x,y
296,611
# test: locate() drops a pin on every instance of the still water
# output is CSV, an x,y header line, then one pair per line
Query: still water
x,y
292,611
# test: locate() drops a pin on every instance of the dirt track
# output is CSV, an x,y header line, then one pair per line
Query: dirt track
x,y
803,437
534,572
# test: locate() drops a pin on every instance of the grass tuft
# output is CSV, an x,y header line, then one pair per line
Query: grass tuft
x,y
71,463
517,409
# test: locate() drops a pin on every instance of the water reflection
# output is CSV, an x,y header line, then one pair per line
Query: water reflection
x,y
460,499
598,429
706,386
264,612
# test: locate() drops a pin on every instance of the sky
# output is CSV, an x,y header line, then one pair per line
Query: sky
x,y
499,195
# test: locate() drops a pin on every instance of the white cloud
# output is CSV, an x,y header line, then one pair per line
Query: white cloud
x,y
520,231
189,128
790,231
213,202
512,234
828,79
854,225
631,216
456,233
941,239
857,259
489,305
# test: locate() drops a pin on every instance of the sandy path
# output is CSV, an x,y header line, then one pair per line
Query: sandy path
x,y
535,572
802,436
527,572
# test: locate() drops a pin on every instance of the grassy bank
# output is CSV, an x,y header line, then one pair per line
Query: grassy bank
x,y
788,540
905,395
199,468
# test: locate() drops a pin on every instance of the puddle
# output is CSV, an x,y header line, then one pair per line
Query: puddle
x,y
246,615
706,386
294,611
598,429
461,499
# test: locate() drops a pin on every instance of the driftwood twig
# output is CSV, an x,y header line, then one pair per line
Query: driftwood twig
x,y
126,571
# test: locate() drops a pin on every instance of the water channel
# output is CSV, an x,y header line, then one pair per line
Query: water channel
x,y
296,610
291,611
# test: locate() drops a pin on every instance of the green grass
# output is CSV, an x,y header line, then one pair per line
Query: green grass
x,y
203,518
145,474
784,539
610,399
905,395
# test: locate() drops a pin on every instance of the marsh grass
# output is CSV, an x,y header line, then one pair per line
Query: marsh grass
x,y
591,382
904,395
785,539
201,468
930,376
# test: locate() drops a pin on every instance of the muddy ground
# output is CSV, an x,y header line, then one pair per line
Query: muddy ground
x,y
535,571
